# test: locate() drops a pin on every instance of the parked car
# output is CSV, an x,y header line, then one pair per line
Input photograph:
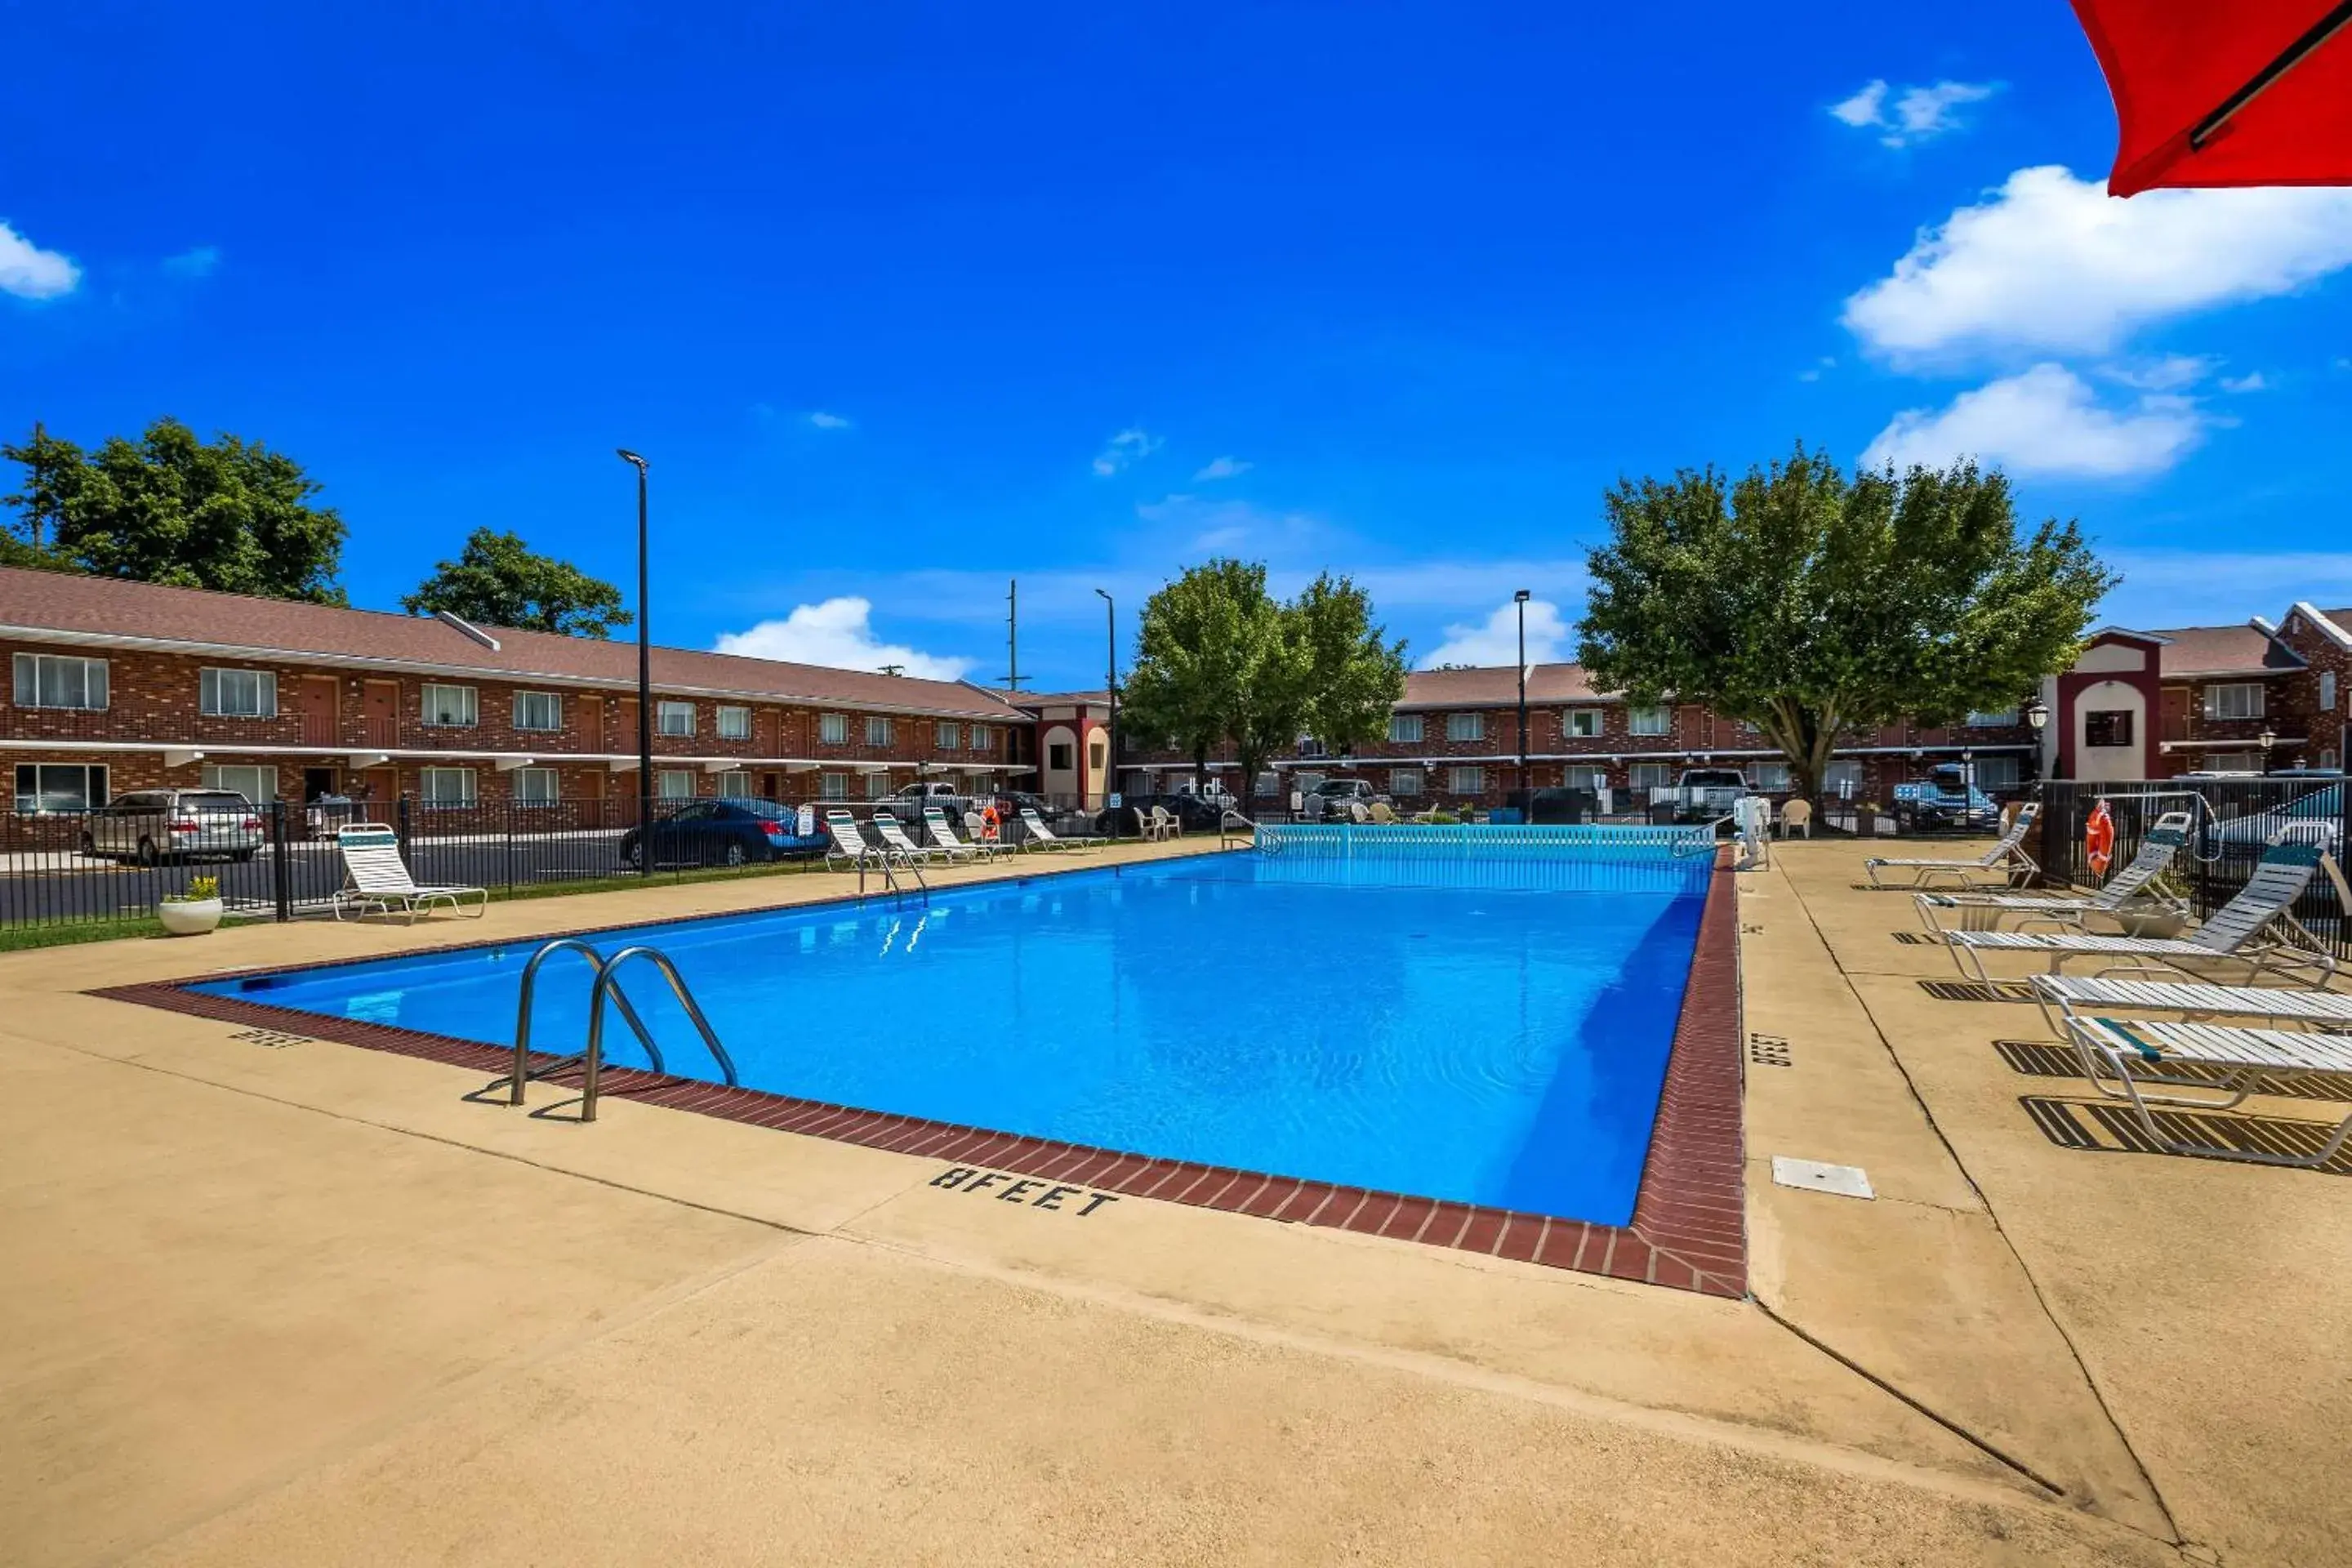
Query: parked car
x,y
2317,815
1704,794
1193,812
1332,799
723,833
151,825
1944,798
1212,793
909,805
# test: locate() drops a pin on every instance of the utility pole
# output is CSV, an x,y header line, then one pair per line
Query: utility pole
x,y
1012,634
644,679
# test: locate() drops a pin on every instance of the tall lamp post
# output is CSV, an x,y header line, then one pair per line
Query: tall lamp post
x,y
1527,802
645,682
1110,679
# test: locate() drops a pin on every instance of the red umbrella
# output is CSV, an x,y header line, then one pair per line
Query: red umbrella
x,y
2226,92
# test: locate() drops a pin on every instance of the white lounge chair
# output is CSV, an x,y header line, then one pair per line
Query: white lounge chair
x,y
2164,841
2237,934
376,880
849,845
887,828
2137,1052
2008,858
984,836
943,838
2063,996
1044,838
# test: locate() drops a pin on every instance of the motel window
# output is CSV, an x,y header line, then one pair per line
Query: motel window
x,y
2108,727
1772,778
258,785
2232,763
1061,756
51,680
449,707
833,729
2002,720
1649,721
1584,723
59,787
447,787
1584,778
2327,759
1466,780
2242,700
949,737
1308,746
878,729
1843,779
1465,726
834,787
876,785
1652,775
675,718
1997,773
675,784
735,786
1404,780
238,693
1405,729
982,737
2327,691
536,786
537,711
734,723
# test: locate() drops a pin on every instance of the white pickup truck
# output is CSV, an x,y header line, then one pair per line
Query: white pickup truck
x,y
1703,794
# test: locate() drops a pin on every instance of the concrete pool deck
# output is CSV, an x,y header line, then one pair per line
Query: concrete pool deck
x,y
310,1303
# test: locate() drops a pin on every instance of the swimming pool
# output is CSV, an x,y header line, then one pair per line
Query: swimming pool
x,y
1307,1014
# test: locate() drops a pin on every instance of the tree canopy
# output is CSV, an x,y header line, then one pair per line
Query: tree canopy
x,y
227,514
1219,659
1812,605
499,581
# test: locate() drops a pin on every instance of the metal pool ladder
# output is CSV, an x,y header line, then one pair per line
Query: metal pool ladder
x,y
606,984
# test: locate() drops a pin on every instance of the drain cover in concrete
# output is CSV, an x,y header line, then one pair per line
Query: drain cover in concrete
x,y
1846,1180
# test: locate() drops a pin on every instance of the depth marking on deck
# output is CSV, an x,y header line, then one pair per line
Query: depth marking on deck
x,y
1050,1196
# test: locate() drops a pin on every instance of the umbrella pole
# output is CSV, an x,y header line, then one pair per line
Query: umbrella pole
x,y
2294,55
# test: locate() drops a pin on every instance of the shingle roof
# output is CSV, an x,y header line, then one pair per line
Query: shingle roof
x,y
2242,649
1492,686
106,610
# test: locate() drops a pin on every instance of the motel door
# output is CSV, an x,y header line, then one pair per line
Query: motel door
x,y
382,714
2176,713
591,719
314,699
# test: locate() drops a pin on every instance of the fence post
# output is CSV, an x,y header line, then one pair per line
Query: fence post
x,y
282,871
400,824
2053,839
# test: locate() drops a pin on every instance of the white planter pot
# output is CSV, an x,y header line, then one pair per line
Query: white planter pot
x,y
190,917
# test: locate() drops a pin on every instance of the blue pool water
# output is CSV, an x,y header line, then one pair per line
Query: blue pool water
x,y
1378,1025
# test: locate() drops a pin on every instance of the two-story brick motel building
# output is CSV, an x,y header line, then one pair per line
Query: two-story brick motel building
x,y
122,685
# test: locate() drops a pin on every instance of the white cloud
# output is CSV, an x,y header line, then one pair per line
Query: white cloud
x,y
202,261
2168,373
2051,262
1919,113
1496,640
2044,420
825,421
838,633
1222,468
2251,382
1813,371
1124,448
31,273
1867,107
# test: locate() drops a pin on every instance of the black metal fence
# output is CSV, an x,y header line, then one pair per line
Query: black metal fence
x,y
113,865
2232,821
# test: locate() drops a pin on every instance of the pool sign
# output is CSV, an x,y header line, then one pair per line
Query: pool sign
x,y
1026,1191
804,823
1116,800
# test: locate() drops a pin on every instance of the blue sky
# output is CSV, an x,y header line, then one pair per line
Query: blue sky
x,y
902,302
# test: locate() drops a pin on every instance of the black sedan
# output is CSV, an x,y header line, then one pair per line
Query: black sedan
x,y
723,833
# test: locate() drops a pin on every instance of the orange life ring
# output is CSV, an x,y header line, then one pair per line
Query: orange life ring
x,y
2099,840
988,823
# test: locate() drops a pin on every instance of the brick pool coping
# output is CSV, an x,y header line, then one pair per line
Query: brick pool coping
x,y
1688,1230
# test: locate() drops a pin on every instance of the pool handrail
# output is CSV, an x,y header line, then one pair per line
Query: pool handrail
x,y
1225,819
522,1015
592,1059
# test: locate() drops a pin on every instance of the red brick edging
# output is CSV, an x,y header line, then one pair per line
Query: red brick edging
x,y
1689,1226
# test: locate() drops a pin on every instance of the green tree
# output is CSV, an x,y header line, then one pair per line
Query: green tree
x,y
228,514
1812,605
499,581
1220,661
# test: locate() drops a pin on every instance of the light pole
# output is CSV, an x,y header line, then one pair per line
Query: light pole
x,y
1527,802
1110,774
645,682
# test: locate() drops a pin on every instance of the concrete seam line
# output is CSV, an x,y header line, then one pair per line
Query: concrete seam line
x,y
1940,1419
2098,1394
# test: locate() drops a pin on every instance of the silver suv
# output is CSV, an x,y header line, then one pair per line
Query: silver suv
x,y
152,825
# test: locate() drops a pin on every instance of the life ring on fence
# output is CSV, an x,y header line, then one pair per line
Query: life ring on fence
x,y
989,823
2099,840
